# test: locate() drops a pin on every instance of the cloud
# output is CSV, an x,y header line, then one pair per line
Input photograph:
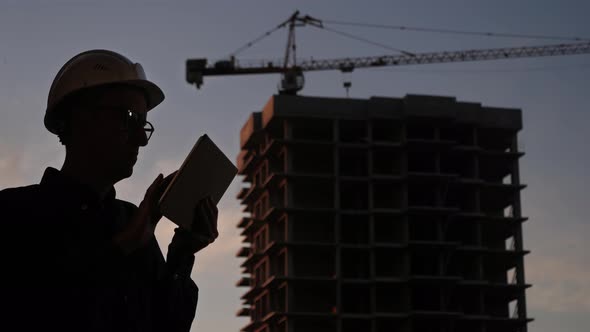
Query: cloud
x,y
24,164
557,235
166,166
558,270
11,166
560,284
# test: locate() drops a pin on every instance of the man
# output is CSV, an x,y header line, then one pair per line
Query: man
x,y
75,258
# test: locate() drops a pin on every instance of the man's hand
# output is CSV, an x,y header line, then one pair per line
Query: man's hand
x,y
203,231
141,228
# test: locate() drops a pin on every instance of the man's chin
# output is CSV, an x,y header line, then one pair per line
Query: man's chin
x,y
128,172
124,174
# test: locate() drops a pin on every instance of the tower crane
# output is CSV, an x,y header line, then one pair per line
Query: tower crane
x,y
292,71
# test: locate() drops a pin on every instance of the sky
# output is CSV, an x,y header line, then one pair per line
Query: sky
x,y
38,36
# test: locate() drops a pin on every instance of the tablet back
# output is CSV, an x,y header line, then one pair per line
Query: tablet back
x,y
206,171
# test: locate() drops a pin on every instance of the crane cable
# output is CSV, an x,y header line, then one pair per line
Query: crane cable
x,y
346,34
450,31
342,33
402,28
254,41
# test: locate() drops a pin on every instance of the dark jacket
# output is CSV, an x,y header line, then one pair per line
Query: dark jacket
x,y
61,272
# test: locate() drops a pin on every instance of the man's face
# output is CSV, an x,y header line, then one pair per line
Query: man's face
x,y
110,134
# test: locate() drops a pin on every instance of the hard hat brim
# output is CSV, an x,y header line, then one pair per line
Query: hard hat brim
x,y
153,94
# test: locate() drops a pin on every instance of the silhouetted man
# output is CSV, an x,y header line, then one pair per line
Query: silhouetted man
x,y
75,258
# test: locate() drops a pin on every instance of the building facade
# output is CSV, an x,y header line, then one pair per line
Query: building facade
x,y
380,215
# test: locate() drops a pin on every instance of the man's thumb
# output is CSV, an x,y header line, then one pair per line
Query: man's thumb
x,y
154,185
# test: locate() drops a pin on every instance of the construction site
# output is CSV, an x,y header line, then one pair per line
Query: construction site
x,y
380,214
295,166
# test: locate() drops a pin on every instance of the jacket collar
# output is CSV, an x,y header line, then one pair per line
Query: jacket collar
x,y
78,193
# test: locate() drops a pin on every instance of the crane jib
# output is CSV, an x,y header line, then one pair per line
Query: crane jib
x,y
445,57
347,64
198,68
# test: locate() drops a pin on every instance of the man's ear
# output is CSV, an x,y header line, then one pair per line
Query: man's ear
x,y
75,125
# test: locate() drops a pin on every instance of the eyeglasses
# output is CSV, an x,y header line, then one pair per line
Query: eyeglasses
x,y
132,120
135,120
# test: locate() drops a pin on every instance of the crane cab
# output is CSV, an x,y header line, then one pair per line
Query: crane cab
x,y
291,81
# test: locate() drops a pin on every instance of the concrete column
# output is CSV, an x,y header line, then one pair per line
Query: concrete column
x,y
518,238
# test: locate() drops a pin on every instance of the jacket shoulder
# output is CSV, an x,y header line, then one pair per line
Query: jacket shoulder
x,y
127,205
19,194
20,203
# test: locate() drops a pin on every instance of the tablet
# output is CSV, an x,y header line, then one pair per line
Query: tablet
x,y
206,171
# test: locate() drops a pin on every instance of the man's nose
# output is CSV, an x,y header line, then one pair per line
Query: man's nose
x,y
138,136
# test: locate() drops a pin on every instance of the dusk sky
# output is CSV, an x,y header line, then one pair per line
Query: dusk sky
x,y
38,36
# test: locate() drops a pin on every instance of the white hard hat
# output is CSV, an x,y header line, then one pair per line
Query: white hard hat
x,y
93,69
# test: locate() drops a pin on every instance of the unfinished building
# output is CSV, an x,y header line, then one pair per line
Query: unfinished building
x,y
380,215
